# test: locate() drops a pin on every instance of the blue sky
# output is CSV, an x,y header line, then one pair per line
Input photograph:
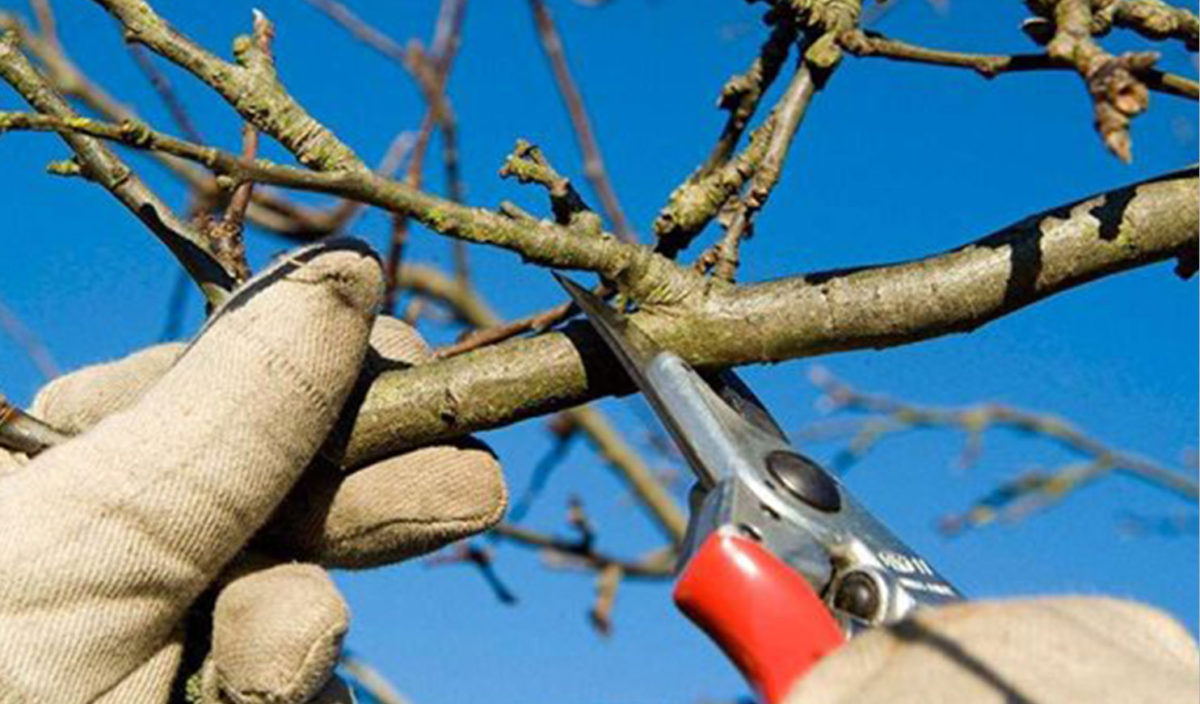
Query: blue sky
x,y
893,162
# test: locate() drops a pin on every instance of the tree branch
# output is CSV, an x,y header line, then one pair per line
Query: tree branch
x,y
866,44
879,306
593,162
712,323
100,164
268,209
625,462
653,568
976,419
251,86
1117,94
1153,19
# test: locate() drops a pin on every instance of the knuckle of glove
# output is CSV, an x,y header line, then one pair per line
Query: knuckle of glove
x,y
391,510
277,635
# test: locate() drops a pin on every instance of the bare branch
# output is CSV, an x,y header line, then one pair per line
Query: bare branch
x,y
593,162
705,321
228,239
29,342
166,93
46,22
657,566
607,582
742,93
991,65
877,307
268,209
370,679
100,164
250,86
435,72
705,194
628,465
1117,94
977,419
1028,493
787,117
1153,19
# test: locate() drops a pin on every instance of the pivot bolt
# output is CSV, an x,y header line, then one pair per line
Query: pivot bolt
x,y
858,595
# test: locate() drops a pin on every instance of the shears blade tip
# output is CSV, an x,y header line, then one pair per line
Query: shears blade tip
x,y
632,346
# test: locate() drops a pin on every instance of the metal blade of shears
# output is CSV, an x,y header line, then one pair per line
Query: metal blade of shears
x,y
669,385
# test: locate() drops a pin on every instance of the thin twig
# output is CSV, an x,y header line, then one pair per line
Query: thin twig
x,y
250,85
656,567
585,136
438,113
498,333
991,65
361,30
100,164
371,680
976,419
468,553
607,581
166,93
228,233
743,92
29,342
46,22
788,114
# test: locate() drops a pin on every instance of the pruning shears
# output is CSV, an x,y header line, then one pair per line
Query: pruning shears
x,y
780,564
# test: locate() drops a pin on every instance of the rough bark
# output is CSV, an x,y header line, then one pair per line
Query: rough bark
x,y
720,324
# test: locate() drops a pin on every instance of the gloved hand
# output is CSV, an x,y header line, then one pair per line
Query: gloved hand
x,y
1068,650
186,457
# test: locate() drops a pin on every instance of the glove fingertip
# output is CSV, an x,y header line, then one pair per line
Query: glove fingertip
x,y
394,509
75,402
277,635
394,340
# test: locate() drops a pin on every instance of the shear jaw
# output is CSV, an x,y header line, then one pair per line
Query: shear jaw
x,y
750,481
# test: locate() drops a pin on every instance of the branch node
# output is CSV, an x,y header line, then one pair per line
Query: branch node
x,y
528,164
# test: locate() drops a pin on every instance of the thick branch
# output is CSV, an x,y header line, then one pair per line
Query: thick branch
x,y
632,470
742,93
713,323
801,316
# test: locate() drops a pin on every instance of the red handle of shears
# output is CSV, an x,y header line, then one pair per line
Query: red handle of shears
x,y
764,615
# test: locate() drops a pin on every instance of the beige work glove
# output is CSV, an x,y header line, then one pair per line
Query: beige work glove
x,y
187,456
1070,650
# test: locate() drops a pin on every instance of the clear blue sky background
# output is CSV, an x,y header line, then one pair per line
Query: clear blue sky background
x,y
893,162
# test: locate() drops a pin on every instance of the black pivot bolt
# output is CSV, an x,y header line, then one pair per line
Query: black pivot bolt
x,y
858,595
